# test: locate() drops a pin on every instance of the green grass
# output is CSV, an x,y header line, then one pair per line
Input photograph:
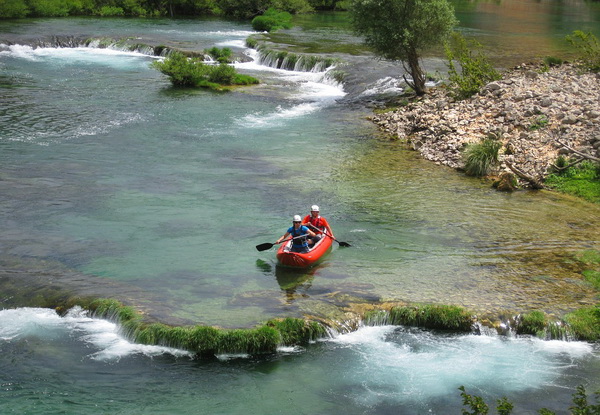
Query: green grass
x,y
442,317
582,180
532,323
479,157
585,323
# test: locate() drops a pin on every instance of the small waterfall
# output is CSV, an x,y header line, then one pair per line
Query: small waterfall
x,y
442,317
293,61
123,45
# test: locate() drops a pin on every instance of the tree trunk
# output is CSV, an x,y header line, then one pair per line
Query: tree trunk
x,y
416,72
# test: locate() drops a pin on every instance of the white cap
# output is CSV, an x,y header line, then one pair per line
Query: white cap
x,y
314,208
297,218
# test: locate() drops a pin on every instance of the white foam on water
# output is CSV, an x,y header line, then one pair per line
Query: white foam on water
x,y
313,90
397,364
90,55
104,336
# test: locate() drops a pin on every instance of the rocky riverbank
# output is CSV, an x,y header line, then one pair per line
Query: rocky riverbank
x,y
536,114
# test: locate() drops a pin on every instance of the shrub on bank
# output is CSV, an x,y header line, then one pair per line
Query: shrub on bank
x,y
588,48
475,69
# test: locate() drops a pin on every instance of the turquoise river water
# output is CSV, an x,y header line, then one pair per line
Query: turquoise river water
x,y
114,183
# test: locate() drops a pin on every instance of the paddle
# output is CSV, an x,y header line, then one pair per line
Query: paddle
x,y
344,244
268,245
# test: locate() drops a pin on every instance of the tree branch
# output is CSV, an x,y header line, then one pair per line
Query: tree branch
x,y
535,183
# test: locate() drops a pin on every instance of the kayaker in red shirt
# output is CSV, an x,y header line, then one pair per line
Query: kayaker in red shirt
x,y
317,223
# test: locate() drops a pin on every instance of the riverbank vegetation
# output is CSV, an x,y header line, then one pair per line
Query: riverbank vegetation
x,y
272,20
194,72
472,69
245,9
581,406
581,180
401,31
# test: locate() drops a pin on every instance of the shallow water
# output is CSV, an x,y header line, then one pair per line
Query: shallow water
x,y
114,183
80,365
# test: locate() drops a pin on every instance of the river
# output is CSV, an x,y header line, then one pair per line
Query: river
x,y
114,183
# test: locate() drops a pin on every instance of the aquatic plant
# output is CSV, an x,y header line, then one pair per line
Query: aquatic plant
x,y
297,331
184,71
533,323
585,323
220,55
206,340
582,180
443,317
479,157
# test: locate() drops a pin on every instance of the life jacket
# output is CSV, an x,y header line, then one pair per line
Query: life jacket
x,y
317,223
300,242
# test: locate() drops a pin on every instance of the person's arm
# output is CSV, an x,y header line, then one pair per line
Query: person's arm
x,y
283,237
328,228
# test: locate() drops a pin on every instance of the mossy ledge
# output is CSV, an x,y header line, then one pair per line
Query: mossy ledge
x,y
207,341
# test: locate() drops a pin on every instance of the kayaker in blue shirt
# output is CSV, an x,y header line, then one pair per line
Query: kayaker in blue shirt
x,y
297,229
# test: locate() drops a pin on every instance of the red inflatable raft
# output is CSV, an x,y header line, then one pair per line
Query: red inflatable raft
x,y
306,259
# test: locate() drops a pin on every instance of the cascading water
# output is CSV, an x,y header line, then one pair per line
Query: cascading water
x,y
113,182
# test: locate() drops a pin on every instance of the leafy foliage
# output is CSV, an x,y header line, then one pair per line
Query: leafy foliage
x,y
479,407
475,69
589,49
585,323
402,29
184,71
272,20
243,9
582,180
220,55
480,157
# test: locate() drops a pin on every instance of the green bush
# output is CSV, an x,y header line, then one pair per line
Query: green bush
x,y
475,69
480,157
272,20
588,49
109,11
220,55
13,9
184,71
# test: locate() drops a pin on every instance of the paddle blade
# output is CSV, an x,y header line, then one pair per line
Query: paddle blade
x,y
344,244
264,247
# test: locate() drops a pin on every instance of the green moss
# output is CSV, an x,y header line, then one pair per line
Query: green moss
x,y
582,180
441,317
296,330
585,323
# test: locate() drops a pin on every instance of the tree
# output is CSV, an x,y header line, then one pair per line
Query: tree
x,y
402,29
